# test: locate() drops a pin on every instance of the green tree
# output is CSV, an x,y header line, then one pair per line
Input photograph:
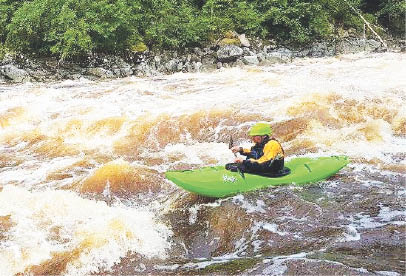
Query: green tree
x,y
74,27
392,15
7,9
171,24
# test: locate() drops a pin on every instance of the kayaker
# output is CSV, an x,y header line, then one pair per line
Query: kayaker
x,y
266,156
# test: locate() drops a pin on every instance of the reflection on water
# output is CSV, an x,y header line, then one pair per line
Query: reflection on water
x,y
81,164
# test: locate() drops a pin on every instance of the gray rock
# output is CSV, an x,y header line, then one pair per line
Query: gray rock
x,y
372,45
244,41
208,60
152,64
126,71
302,53
100,72
116,72
357,45
198,51
261,57
271,47
238,63
13,73
157,60
188,67
195,58
39,74
247,52
269,62
76,76
208,67
141,69
229,53
197,66
250,60
171,66
321,49
280,55
207,51
160,68
219,65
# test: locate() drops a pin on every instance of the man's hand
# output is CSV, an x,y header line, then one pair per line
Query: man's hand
x,y
238,160
235,149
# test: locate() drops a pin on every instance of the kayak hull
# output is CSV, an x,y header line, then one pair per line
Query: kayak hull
x,y
219,182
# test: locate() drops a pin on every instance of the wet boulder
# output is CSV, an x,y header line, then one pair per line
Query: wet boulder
x,y
244,41
250,60
357,45
209,63
229,53
171,66
11,72
280,55
321,49
100,72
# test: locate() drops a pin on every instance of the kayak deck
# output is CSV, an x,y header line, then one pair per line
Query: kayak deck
x,y
219,182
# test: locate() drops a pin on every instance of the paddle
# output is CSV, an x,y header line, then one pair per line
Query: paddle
x,y
230,145
242,174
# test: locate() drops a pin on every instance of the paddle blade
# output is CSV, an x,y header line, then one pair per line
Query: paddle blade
x,y
231,142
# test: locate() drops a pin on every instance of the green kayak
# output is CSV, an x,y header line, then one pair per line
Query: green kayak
x,y
219,182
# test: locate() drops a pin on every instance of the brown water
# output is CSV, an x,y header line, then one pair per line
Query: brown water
x,y
82,172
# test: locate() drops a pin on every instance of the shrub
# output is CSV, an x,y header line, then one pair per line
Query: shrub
x,y
74,28
7,9
392,15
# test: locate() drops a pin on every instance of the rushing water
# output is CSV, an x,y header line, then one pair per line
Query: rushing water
x,y
82,172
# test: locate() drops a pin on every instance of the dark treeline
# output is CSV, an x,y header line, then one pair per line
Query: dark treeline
x,y
73,28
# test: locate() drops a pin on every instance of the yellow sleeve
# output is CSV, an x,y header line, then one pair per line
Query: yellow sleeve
x,y
246,151
271,150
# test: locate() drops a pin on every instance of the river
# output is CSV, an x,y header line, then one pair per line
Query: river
x,y
82,187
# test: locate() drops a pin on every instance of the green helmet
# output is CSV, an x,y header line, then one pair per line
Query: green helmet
x,y
260,129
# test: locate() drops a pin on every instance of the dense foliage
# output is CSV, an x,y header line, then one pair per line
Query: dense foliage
x,y
72,28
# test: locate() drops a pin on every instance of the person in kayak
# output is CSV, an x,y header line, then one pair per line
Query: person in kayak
x,y
265,157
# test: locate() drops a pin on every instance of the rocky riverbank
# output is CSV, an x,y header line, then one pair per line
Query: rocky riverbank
x,y
229,52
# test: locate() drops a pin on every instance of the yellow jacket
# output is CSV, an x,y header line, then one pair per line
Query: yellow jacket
x,y
268,150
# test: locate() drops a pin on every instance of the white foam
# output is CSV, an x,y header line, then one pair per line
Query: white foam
x,y
278,267
274,92
351,234
387,215
104,233
258,207
196,153
193,214
272,227
364,221
34,172
387,273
